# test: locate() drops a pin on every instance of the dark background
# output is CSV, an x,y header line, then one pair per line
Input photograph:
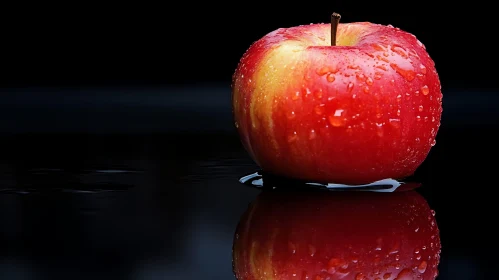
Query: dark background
x,y
187,42
119,159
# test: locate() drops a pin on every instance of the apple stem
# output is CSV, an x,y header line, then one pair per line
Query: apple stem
x,y
335,20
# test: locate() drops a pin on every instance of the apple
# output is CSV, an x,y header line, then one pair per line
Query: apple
x,y
337,235
361,107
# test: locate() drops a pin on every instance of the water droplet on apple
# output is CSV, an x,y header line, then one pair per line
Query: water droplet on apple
x,y
361,77
295,96
382,58
399,97
379,131
382,67
326,69
360,276
420,108
400,51
422,267
423,68
293,137
418,118
291,115
378,75
337,119
311,250
387,275
236,124
337,267
330,77
369,81
318,94
306,93
322,71
418,257
366,89
425,90
404,274
319,109
416,92
394,122
408,74
350,87
398,112
379,115
311,135
433,142
378,47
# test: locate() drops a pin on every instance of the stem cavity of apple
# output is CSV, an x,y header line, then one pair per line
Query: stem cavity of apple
x,y
335,20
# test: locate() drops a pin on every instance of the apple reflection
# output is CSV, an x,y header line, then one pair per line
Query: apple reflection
x,y
327,235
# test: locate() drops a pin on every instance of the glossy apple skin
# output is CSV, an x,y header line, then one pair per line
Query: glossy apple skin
x,y
364,110
340,235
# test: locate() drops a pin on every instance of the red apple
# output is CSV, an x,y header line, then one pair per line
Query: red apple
x,y
363,109
337,235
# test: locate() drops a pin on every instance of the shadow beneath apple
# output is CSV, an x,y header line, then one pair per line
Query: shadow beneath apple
x,y
298,232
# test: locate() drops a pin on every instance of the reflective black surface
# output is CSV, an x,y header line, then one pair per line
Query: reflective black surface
x,y
144,184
